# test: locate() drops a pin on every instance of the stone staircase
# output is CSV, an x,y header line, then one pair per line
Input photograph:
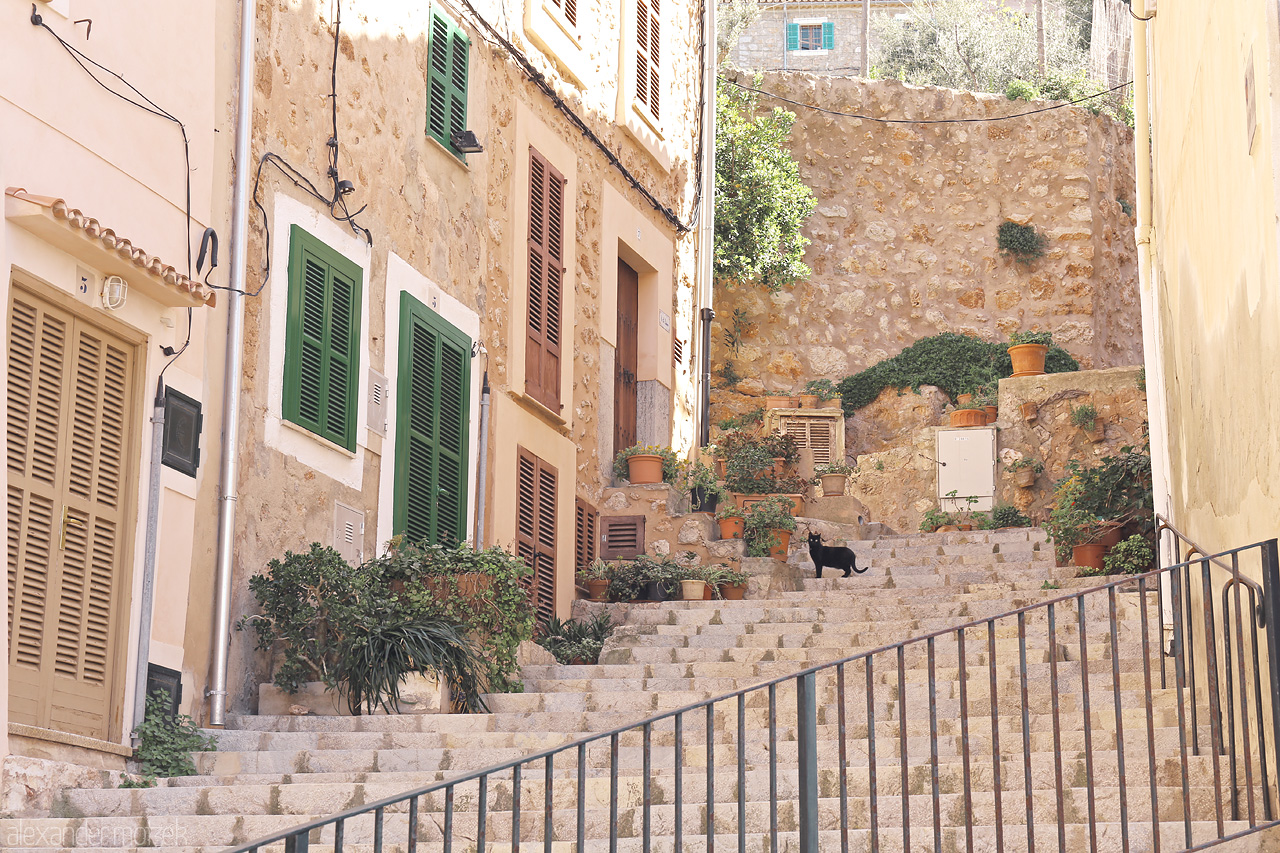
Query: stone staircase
x,y
271,773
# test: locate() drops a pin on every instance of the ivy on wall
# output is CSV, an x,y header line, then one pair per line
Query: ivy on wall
x,y
955,363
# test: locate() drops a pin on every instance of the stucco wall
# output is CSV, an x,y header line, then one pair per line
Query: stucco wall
x,y
904,235
460,230
1215,297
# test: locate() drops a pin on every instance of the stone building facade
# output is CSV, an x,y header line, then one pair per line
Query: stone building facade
x,y
903,240
465,274
789,36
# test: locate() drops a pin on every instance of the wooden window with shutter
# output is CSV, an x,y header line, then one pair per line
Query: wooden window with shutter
x,y
648,60
815,433
546,275
447,52
623,537
585,526
321,341
569,8
536,529
432,426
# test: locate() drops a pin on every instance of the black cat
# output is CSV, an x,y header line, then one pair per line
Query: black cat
x,y
832,556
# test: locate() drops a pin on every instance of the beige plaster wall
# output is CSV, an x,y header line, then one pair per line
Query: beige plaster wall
x,y
462,228
904,234
1215,266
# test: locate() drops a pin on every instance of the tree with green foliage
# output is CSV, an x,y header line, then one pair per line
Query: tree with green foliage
x,y
761,203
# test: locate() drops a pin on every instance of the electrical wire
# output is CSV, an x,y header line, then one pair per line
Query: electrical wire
x,y
149,106
695,210
829,111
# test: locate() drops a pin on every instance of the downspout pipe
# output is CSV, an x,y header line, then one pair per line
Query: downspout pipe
x,y
706,243
482,464
147,602
233,368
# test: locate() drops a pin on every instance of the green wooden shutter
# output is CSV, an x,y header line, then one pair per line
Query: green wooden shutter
x,y
432,425
446,81
828,35
322,329
793,36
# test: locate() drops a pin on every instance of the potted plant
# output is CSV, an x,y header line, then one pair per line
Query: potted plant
x,y
729,584
963,519
1133,556
1027,350
825,390
730,520
748,466
699,482
1024,471
986,399
1085,418
784,450
780,401
968,417
576,643
935,519
833,478
693,583
1006,515
643,465
1030,412
595,577
768,527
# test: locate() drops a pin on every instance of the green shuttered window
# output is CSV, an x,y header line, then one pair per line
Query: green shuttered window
x,y
446,81
321,344
432,423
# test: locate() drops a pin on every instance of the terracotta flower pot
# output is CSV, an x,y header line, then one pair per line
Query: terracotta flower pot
x,y
1024,478
797,503
831,403
969,418
692,589
721,469
947,528
470,583
1110,539
964,527
779,402
1097,434
733,591
644,469
963,400
708,592
597,589
1030,411
809,401
1089,555
779,466
730,528
779,551
992,413
833,484
744,501
1028,359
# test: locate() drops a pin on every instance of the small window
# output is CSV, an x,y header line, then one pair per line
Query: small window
x,y
819,36
321,355
811,36
648,56
446,82
182,424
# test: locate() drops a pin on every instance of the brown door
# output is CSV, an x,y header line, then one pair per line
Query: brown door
x,y
536,530
69,420
626,359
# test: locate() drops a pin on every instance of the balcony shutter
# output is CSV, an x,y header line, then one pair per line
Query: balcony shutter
x,y
586,521
546,274
647,55
793,36
623,537
536,483
446,81
828,35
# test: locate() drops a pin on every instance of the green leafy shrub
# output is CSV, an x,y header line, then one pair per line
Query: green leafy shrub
x,y
833,468
1084,416
1025,462
1007,515
761,204
165,744
935,518
1114,492
954,363
576,641
1021,90
1044,339
751,417
762,519
1023,243
824,388
670,463
627,578
1133,556
748,464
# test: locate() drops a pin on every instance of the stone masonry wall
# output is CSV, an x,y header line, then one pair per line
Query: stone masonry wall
x,y
904,235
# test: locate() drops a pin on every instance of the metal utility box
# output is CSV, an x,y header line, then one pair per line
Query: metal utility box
x,y
967,466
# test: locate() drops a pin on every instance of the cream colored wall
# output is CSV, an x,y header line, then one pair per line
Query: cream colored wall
x,y
1216,266
64,136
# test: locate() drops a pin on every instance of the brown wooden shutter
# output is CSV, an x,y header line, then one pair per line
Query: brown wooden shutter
x,y
586,522
647,55
623,537
536,483
815,433
626,358
546,276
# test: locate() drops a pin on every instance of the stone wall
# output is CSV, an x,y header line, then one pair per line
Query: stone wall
x,y
904,235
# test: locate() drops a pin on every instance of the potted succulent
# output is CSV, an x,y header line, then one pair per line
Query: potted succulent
x,y
833,478
699,482
936,519
1024,471
1085,418
643,465
595,577
1027,351
730,519
768,527
729,584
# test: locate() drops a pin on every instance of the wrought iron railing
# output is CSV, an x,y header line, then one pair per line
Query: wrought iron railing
x,y
1041,727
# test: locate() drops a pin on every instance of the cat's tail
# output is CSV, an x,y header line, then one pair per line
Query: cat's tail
x,y
860,571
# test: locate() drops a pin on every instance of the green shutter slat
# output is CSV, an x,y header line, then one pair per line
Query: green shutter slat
x,y
829,35
447,58
340,399
793,36
458,84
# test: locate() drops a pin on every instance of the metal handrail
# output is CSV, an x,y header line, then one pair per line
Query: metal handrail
x,y
296,838
1163,524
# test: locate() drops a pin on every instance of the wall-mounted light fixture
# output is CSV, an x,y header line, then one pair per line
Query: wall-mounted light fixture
x,y
114,292
466,142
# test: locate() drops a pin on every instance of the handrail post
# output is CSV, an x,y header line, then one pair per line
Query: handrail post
x,y
807,730
1271,607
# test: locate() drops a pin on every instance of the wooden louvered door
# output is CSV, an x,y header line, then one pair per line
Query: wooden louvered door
x,y
626,360
536,530
70,418
432,424
546,276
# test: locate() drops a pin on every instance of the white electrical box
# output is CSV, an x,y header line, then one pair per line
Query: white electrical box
x,y
967,466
